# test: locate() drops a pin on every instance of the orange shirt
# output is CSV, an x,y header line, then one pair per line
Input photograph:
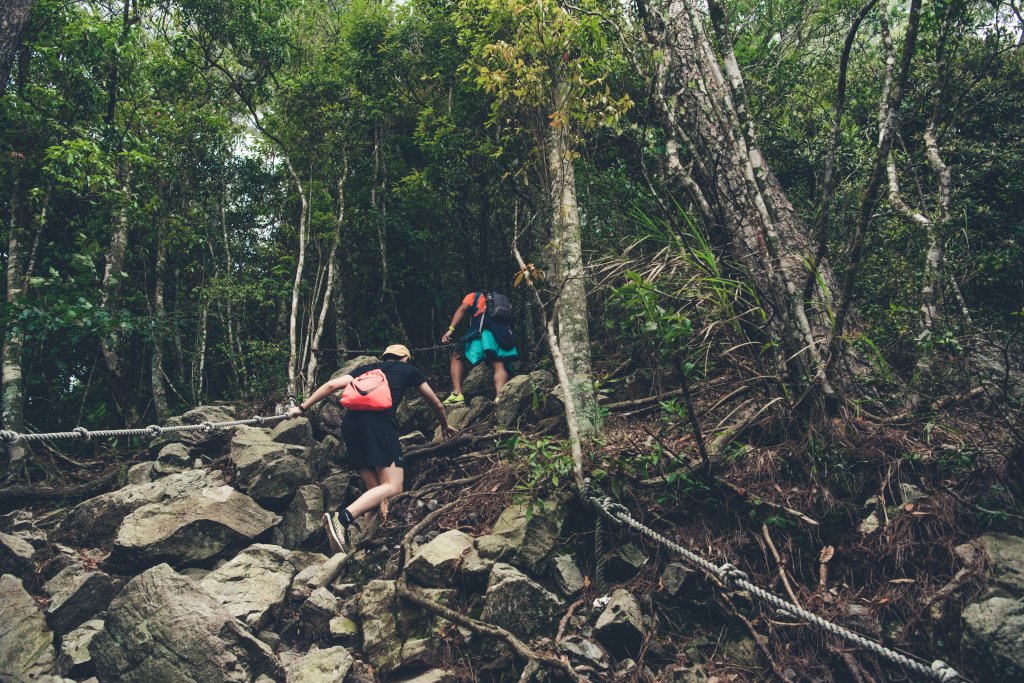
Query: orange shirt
x,y
481,304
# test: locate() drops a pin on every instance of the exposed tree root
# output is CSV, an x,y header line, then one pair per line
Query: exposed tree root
x,y
16,496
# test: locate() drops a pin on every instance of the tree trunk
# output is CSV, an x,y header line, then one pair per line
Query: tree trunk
x,y
332,274
294,362
157,358
112,270
571,304
701,100
14,342
13,20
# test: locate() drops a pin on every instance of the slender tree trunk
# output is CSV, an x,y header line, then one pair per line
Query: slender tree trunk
x,y
14,18
157,358
114,266
199,359
234,348
332,271
571,304
14,342
699,92
294,361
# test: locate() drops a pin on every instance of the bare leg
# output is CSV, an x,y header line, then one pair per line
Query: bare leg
x,y
500,374
458,371
370,481
391,479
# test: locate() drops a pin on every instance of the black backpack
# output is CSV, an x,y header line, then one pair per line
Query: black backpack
x,y
499,308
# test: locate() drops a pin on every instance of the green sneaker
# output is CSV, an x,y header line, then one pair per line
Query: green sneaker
x,y
454,399
335,531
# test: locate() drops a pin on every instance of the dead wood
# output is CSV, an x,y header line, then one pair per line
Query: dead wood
x,y
19,495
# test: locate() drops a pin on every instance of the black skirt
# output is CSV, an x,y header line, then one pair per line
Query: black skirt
x,y
371,438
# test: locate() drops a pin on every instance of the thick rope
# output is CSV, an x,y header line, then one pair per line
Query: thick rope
x,y
374,352
152,431
734,578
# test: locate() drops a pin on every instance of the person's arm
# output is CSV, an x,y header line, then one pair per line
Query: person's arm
x,y
447,431
460,313
322,392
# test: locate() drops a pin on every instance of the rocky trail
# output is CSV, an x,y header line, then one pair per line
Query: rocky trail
x,y
210,565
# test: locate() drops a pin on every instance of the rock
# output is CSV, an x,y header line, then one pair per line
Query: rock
x,y
435,563
302,519
1003,555
251,586
323,455
434,676
75,659
94,523
343,630
479,382
514,401
335,489
681,582
863,620
677,673
268,471
993,639
296,431
162,627
317,666
75,596
909,493
412,439
584,651
200,528
522,541
16,555
141,473
198,440
316,576
398,634
566,574
519,604
620,628
476,568
869,524
325,417
26,642
624,562
414,415
318,610
174,457
741,651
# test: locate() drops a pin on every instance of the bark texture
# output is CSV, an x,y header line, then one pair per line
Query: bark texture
x,y
14,341
14,17
570,278
700,94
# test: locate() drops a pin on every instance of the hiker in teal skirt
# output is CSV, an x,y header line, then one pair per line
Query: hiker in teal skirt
x,y
488,339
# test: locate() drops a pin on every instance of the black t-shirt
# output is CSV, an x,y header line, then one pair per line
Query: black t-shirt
x,y
400,376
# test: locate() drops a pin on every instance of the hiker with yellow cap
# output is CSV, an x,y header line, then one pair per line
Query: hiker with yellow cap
x,y
371,393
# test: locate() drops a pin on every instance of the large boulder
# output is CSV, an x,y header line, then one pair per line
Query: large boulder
x,y
75,596
325,454
993,639
26,642
15,555
514,401
162,627
479,382
318,610
414,415
94,522
192,530
268,471
75,658
398,634
1003,556
211,442
302,519
317,666
620,628
174,457
296,431
252,585
316,574
434,563
524,536
519,604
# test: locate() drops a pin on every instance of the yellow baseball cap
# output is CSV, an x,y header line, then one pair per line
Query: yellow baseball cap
x,y
398,350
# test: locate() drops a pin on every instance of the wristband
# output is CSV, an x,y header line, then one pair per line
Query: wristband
x,y
451,329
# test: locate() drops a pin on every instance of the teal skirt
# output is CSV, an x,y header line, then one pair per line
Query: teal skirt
x,y
484,347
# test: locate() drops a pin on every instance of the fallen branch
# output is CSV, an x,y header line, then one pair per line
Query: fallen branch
x,y
641,402
460,441
18,495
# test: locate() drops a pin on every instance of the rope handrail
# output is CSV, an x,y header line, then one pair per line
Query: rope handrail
x,y
10,437
734,578
374,352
